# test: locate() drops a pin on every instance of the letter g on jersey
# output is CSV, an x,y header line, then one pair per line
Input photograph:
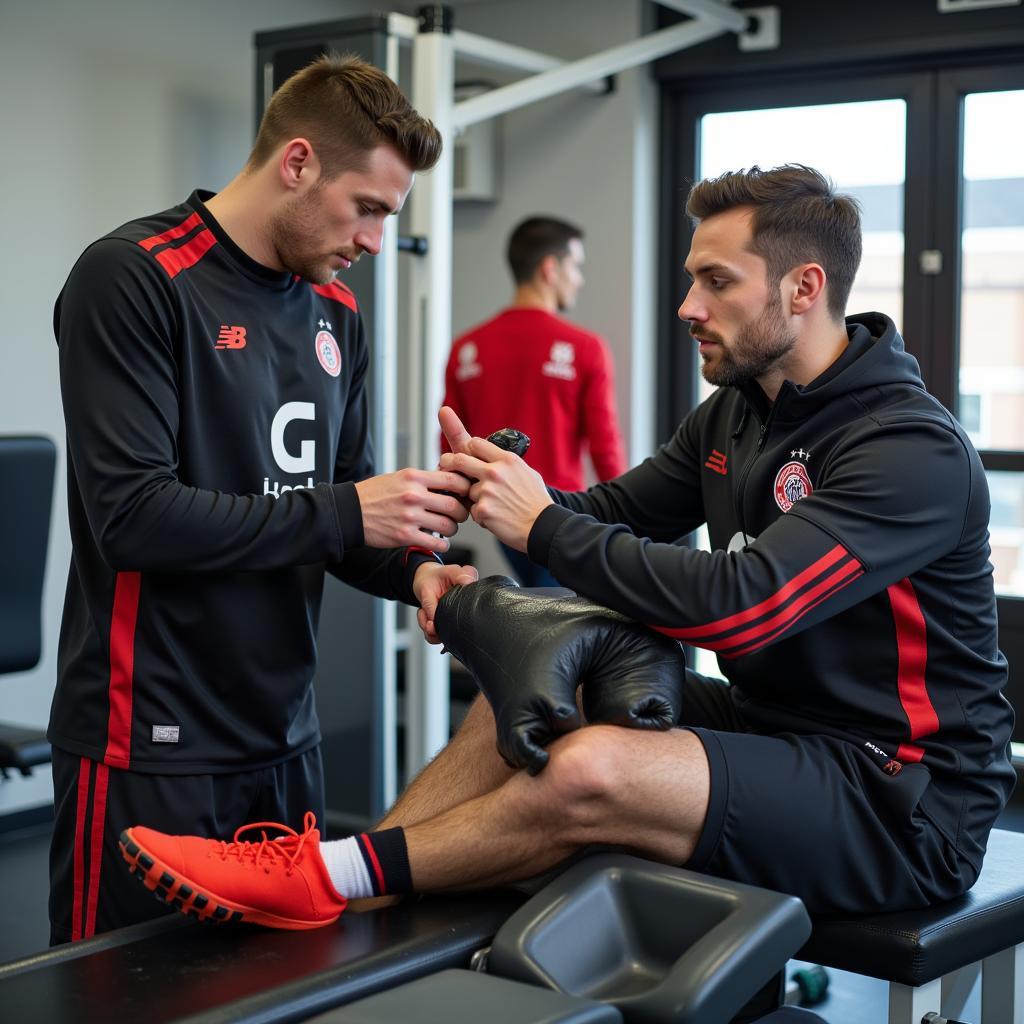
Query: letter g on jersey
x,y
305,461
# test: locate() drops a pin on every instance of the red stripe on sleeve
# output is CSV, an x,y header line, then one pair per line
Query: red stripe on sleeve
x,y
784,617
769,604
174,261
836,582
79,855
122,668
377,870
99,817
339,293
912,647
169,236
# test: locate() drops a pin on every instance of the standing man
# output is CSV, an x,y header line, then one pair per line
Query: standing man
x,y
532,369
213,382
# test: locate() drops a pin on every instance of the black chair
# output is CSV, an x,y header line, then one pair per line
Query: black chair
x,y
26,481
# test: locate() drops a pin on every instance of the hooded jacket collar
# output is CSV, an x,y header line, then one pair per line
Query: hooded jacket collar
x,y
875,356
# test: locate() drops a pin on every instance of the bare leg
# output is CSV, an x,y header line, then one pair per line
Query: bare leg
x,y
644,790
467,767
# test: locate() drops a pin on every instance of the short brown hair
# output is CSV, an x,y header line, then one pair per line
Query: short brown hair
x,y
535,238
798,218
346,108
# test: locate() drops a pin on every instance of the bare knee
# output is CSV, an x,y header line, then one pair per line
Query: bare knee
x,y
646,790
582,776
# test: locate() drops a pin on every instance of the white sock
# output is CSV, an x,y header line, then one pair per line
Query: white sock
x,y
345,865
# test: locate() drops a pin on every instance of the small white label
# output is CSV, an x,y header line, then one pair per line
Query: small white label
x,y
165,733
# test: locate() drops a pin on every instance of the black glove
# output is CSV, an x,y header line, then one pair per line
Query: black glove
x,y
528,653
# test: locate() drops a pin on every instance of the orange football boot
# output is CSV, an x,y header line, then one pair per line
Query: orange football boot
x,y
279,883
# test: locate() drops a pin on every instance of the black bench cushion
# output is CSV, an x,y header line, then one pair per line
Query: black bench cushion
x,y
918,946
465,997
176,969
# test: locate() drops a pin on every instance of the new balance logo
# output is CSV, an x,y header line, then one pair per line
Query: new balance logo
x,y
716,462
230,337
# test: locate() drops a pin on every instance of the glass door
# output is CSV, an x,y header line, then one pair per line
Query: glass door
x,y
980,321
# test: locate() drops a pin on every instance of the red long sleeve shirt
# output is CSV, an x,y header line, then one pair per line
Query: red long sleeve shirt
x,y
532,370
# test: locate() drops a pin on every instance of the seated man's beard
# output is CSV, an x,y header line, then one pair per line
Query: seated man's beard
x,y
757,347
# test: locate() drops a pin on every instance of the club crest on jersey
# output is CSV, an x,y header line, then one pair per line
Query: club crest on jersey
x,y
791,484
328,353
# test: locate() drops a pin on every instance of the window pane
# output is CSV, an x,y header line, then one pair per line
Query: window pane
x,y
819,136
1007,530
992,271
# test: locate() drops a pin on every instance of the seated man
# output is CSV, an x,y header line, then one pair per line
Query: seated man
x,y
860,753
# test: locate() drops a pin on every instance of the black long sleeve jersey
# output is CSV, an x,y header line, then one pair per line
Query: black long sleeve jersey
x,y
216,426
848,590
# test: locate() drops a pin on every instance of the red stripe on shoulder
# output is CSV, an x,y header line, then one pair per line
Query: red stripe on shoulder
x,y
337,292
174,261
193,221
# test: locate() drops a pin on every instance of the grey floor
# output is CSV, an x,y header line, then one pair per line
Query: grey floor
x,y
24,930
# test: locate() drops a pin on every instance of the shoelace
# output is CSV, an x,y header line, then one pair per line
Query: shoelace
x,y
285,848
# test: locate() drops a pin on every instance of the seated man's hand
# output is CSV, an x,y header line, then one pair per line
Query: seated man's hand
x,y
409,507
506,494
430,584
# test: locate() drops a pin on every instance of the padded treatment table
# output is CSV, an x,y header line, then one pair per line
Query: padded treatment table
x,y
176,969
932,958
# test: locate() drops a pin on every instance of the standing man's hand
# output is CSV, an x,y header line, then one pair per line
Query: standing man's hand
x,y
430,584
407,508
506,495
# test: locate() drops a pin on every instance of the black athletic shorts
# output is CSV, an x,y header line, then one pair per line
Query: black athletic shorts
x,y
91,889
815,816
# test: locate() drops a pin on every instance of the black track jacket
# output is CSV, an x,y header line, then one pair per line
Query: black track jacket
x,y
848,590
216,426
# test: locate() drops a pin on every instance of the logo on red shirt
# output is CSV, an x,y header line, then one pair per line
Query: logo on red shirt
x,y
230,337
468,367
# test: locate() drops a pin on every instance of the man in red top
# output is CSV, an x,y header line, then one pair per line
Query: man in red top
x,y
531,369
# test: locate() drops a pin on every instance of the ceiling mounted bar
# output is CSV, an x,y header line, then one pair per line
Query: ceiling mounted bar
x,y
491,52
589,69
727,17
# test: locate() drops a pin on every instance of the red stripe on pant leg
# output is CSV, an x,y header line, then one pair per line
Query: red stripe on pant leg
x,y
122,668
79,885
912,648
99,819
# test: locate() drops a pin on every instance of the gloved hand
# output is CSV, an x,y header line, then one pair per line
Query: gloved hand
x,y
528,653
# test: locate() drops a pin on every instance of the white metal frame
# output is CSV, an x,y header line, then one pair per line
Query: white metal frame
x,y
1002,992
433,61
